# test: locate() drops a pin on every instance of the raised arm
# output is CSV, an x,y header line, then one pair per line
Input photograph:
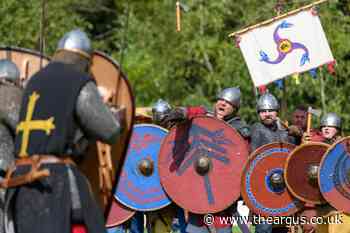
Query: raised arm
x,y
95,118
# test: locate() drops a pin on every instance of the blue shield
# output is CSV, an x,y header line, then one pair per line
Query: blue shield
x,y
334,175
139,185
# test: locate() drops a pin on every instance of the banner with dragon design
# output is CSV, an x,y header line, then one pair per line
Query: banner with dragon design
x,y
287,46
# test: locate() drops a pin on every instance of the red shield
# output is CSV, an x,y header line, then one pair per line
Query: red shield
x,y
118,214
297,175
200,164
260,191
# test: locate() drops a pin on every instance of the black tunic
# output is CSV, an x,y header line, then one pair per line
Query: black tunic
x,y
48,205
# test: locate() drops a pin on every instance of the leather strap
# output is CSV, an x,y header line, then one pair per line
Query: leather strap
x,y
35,161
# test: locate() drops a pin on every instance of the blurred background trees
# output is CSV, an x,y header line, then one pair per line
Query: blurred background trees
x,y
190,67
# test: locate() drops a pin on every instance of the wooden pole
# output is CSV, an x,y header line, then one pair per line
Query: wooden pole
x,y
125,36
269,21
178,17
278,9
322,90
284,102
308,124
42,31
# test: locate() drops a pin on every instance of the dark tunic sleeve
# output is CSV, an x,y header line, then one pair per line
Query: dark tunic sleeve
x,y
243,128
255,137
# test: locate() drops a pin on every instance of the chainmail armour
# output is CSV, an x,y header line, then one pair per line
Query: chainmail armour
x,y
10,101
96,120
262,135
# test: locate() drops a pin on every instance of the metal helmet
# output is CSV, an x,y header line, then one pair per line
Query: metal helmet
x,y
331,119
231,95
160,109
9,71
76,41
267,102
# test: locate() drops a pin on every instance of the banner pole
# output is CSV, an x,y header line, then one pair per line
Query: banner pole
x,y
269,21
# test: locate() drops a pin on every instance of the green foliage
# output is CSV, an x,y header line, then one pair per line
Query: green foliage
x,y
190,67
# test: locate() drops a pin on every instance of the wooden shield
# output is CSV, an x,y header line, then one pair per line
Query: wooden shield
x,y
28,61
139,186
334,175
200,164
103,163
259,192
297,169
118,214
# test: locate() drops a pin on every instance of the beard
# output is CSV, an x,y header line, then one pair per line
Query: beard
x,y
268,121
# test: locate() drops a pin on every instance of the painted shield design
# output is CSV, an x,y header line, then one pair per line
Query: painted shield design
x,y
200,164
334,175
118,214
263,187
301,172
139,186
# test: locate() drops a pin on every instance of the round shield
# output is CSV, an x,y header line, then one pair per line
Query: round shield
x,y
334,175
103,163
301,172
28,61
116,229
200,164
263,187
118,214
139,186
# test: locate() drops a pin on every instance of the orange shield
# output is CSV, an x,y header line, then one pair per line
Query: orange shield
x,y
102,164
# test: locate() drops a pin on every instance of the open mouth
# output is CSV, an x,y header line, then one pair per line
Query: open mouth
x,y
221,109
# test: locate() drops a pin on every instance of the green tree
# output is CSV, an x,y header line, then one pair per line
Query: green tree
x,y
189,67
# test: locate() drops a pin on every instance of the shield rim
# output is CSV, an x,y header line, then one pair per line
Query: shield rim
x,y
116,64
122,221
132,121
234,200
324,158
251,157
26,50
148,209
286,166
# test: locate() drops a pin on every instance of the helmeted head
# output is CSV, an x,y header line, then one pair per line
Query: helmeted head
x,y
330,125
231,95
76,41
9,72
228,102
267,102
75,48
267,108
160,110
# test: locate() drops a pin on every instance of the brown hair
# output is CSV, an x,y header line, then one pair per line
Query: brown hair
x,y
301,107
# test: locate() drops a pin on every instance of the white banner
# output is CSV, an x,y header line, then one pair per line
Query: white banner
x,y
290,45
